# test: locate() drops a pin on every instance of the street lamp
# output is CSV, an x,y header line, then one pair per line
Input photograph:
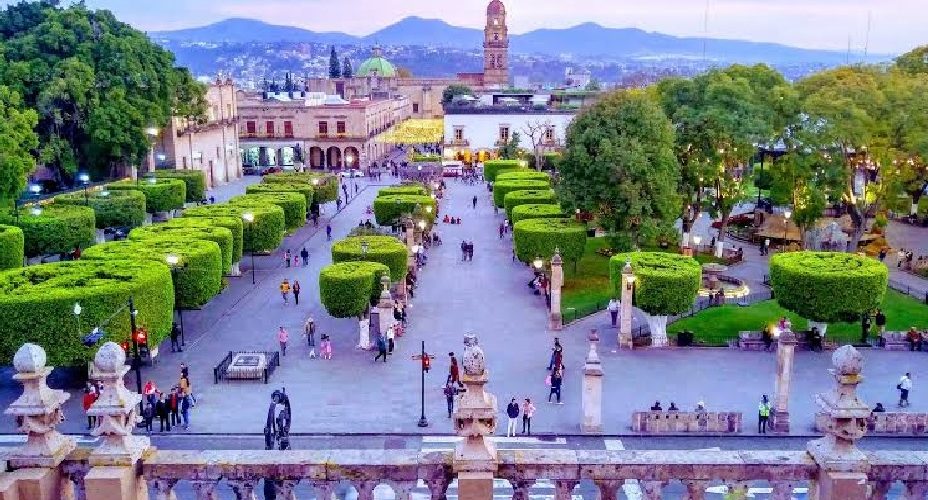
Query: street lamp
x,y
786,215
152,133
696,241
136,337
36,211
249,219
630,282
538,263
173,261
77,316
35,189
84,179
364,248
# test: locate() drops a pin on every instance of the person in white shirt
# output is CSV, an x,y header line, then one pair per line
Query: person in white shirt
x,y
904,386
613,308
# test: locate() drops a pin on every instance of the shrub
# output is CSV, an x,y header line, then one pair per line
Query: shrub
x,y
492,168
56,228
413,189
199,277
325,186
111,208
265,234
827,287
386,250
219,235
36,305
194,179
161,195
666,283
347,288
536,211
234,224
388,210
283,187
523,175
12,246
293,205
426,159
534,238
526,197
501,188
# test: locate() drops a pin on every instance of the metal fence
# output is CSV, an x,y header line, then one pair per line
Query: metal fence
x,y
920,293
263,374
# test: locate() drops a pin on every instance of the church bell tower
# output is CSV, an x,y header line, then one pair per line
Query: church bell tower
x,y
496,46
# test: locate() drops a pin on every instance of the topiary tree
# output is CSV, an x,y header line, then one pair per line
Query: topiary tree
x,y
293,205
12,245
325,186
538,238
161,195
386,250
36,304
825,287
492,168
54,229
528,196
194,179
120,208
665,284
303,188
199,274
523,175
235,225
412,189
347,288
536,211
219,235
501,188
388,210
263,235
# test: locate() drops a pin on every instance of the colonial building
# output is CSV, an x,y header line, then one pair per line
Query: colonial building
x,y
211,146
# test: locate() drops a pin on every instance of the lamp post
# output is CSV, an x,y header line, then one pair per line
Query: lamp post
x,y
36,190
152,133
364,248
426,362
249,219
137,358
625,323
77,316
84,179
173,261
786,215
696,241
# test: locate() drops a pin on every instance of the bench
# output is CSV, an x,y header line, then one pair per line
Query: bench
x,y
893,341
657,422
886,423
754,341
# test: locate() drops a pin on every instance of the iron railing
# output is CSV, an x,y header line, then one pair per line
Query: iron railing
x,y
263,374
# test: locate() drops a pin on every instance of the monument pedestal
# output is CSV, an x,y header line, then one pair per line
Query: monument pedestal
x,y
779,421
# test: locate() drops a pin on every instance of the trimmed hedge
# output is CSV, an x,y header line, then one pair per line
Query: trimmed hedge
x,y
346,289
386,250
194,179
37,303
413,189
325,191
219,235
828,287
162,195
199,278
665,283
283,187
121,208
388,210
293,205
534,238
492,168
235,225
536,211
426,159
12,246
265,234
57,228
523,175
502,188
527,197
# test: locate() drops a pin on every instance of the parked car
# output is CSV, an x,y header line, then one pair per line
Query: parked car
x,y
351,173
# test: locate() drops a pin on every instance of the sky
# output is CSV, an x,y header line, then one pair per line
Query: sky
x,y
895,25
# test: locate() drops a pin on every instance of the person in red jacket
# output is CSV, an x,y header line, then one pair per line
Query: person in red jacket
x,y
89,398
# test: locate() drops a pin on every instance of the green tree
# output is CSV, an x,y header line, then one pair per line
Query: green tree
x,y
903,147
17,140
914,61
346,68
510,149
454,90
593,86
335,70
620,166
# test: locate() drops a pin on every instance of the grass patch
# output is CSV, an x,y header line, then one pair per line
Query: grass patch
x,y
717,325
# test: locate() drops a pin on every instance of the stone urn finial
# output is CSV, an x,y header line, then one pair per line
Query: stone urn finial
x,y
475,417
116,411
474,362
557,260
29,358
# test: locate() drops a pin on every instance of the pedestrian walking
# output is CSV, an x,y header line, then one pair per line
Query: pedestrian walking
x,y
304,254
763,415
470,251
391,333
90,397
502,230
512,411
557,355
613,308
174,407
183,386
283,337
904,386
528,411
148,415
880,320
450,392
557,377
285,291
184,371
162,410
175,338
338,204
151,392
474,202
864,327
326,347
185,411
328,232
309,330
296,292
355,189
381,348
463,250
287,258
454,374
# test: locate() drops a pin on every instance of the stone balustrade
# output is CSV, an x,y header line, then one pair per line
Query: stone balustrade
x,y
914,424
656,422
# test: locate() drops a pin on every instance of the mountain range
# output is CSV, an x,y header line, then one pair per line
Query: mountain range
x,y
585,40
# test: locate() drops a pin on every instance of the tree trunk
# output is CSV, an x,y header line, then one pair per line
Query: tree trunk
x,y
720,241
658,327
857,217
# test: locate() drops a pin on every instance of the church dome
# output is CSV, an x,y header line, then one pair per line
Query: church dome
x,y
496,8
376,65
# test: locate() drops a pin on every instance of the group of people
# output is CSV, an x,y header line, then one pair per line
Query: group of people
x,y
172,409
467,251
700,406
918,341
555,379
447,219
514,410
286,288
503,228
303,258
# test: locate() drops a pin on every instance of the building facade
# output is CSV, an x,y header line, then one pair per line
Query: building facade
x,y
211,146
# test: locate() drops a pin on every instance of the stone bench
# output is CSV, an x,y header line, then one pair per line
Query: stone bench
x,y
656,422
887,423
893,341
754,341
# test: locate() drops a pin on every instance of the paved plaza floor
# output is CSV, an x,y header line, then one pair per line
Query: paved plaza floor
x,y
489,297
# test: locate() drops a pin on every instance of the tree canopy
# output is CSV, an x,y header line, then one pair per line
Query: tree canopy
x,y
17,140
454,90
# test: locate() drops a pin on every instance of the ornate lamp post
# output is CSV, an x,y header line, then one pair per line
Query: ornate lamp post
x,y
84,179
174,261
625,323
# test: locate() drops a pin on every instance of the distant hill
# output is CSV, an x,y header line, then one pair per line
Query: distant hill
x,y
588,39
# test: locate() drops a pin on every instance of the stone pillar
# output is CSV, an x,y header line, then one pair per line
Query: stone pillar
x,y
557,281
625,322
843,467
592,397
786,347
475,459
